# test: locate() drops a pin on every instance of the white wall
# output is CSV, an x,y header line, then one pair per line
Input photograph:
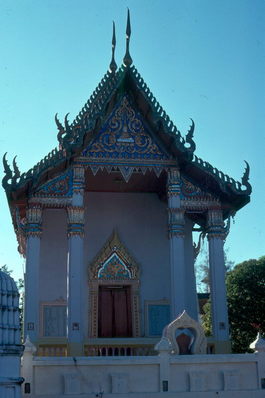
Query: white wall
x,y
191,376
141,221
53,262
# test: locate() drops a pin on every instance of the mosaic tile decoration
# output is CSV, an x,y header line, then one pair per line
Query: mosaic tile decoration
x,y
124,136
114,268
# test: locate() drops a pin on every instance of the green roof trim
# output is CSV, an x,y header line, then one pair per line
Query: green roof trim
x,y
72,136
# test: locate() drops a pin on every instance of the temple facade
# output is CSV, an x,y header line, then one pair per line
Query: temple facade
x,y
106,221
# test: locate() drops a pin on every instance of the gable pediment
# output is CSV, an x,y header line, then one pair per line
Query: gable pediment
x,y
124,136
60,186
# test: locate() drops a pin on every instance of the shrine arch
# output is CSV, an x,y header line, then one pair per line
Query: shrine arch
x,y
114,292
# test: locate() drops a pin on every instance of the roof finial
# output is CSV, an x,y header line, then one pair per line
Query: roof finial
x,y
127,60
113,65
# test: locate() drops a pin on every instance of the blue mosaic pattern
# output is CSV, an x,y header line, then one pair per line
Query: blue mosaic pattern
x,y
114,268
190,190
61,186
124,136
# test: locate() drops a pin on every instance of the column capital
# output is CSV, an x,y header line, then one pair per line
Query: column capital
x,y
215,224
173,182
78,179
34,221
176,221
75,220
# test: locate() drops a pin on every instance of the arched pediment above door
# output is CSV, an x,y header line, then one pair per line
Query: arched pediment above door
x,y
114,262
114,279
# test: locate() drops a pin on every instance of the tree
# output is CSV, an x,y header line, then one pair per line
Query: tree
x,y
203,270
246,302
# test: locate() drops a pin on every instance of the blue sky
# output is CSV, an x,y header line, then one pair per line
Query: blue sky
x,y
202,59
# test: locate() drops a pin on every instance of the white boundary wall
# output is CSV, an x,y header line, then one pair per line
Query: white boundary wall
x,y
193,376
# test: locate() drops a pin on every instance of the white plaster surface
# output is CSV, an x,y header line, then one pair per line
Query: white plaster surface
x,y
227,376
53,263
141,221
218,289
191,292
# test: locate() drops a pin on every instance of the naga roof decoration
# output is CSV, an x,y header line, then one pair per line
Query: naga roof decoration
x,y
83,135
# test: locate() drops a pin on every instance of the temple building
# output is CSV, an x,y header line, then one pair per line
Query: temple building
x,y
106,221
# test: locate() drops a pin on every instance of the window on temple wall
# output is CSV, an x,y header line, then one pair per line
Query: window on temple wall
x,y
115,313
157,316
53,320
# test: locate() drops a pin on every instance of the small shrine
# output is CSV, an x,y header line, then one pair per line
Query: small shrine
x,y
105,222
11,348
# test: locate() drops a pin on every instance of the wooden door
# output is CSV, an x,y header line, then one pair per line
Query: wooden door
x,y
115,315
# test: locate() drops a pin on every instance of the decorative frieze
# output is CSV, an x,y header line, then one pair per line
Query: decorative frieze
x,y
52,202
124,136
174,182
75,220
34,221
215,224
176,221
124,267
78,179
199,204
59,187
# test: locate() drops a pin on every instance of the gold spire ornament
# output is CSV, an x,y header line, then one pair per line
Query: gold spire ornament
x,y
127,60
113,65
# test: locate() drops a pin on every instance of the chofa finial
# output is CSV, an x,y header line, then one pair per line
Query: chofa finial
x,y
245,179
127,60
6,181
113,65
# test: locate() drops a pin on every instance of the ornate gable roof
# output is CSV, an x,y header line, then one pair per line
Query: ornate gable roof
x,y
124,136
122,120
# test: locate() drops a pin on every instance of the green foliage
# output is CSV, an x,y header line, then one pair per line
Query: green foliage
x,y
203,270
206,319
246,302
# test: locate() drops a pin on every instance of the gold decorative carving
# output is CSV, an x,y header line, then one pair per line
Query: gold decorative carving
x,y
215,218
52,201
173,176
199,204
113,245
173,182
75,221
215,224
176,215
79,173
33,221
78,179
75,215
34,215
176,221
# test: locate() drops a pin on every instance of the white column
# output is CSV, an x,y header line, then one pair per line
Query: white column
x,y
31,311
191,294
176,240
216,236
75,266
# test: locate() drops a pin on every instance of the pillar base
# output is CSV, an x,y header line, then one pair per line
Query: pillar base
x,y
75,350
221,347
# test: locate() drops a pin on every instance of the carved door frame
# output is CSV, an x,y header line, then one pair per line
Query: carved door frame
x,y
131,279
94,307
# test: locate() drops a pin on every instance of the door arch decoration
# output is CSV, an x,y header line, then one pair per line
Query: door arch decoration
x,y
113,266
